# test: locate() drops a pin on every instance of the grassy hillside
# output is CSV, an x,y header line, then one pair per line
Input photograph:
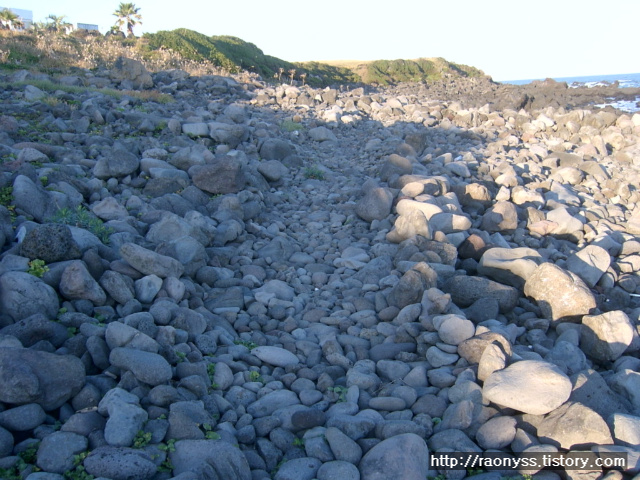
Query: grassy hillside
x,y
234,54
385,72
199,54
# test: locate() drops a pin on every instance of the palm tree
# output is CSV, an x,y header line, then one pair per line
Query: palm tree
x,y
57,23
9,20
128,17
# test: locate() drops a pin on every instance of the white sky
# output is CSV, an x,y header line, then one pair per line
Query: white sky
x,y
507,39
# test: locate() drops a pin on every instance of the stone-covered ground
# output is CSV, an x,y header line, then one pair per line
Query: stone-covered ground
x,y
257,282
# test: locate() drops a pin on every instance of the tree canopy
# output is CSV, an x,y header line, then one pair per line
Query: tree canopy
x,y
57,23
128,17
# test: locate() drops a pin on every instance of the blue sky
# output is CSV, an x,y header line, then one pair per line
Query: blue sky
x,y
507,39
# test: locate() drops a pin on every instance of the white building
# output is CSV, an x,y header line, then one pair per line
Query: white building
x,y
25,15
87,26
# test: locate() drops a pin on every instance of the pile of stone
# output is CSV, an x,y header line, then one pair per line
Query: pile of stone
x,y
257,282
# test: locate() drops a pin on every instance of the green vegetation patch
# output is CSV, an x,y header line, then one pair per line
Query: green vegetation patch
x,y
83,218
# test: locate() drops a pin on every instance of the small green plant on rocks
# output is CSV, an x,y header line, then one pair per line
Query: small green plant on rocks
x,y
340,392
78,472
6,196
166,465
27,459
209,434
291,126
314,173
82,218
37,268
211,371
298,442
8,158
142,439
255,376
250,345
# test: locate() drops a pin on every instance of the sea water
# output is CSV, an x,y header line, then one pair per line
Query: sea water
x,y
625,80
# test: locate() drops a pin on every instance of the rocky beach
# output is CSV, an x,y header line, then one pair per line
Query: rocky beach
x,y
255,281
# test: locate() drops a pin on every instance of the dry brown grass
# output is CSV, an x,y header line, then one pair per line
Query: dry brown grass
x,y
53,52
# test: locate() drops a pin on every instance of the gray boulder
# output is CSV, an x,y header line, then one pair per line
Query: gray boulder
x,y
511,266
304,468
188,251
589,264
605,337
118,286
403,456
275,149
502,217
149,262
232,135
447,222
530,386
32,199
223,176
118,163
23,418
120,463
276,356
272,170
35,328
626,429
198,129
322,134
561,295
77,283
23,295
574,426
408,226
465,290
412,285
147,367
6,442
33,93
32,376
131,74
395,165
271,402
567,225
591,390
56,452
210,460
497,433
375,205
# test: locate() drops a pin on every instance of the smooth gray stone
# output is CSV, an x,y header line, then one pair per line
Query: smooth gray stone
x,y
30,376
147,367
403,456
120,463
56,451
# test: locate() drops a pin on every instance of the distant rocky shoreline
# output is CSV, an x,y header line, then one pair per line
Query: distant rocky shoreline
x,y
256,281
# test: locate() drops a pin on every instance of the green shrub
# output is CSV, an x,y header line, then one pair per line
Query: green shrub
x,y
83,218
37,268
314,173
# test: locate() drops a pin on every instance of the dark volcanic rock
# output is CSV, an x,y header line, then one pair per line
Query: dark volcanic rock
x,y
51,243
